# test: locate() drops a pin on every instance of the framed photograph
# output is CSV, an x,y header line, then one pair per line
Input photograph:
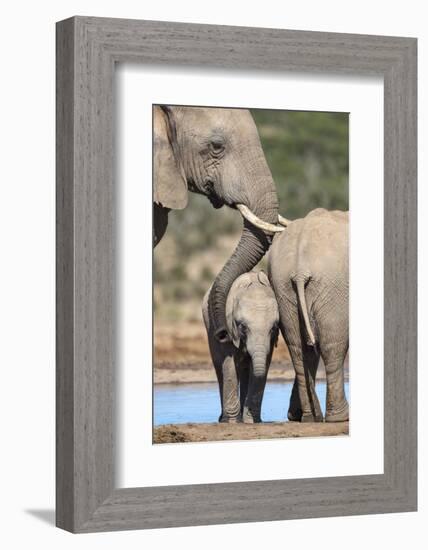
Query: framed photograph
x,y
203,385
236,274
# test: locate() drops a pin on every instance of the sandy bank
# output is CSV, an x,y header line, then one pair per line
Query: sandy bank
x,y
176,373
181,433
181,356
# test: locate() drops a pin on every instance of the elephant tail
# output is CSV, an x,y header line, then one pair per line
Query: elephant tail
x,y
300,286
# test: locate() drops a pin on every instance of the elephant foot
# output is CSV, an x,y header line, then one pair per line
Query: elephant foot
x,y
247,419
294,415
309,417
341,415
229,419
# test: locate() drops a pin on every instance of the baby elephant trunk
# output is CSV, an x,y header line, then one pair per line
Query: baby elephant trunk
x,y
259,359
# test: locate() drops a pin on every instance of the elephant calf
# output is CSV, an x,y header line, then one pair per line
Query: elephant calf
x,y
308,269
242,364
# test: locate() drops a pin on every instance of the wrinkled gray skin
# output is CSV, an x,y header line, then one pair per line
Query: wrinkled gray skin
x,y
242,365
217,153
308,270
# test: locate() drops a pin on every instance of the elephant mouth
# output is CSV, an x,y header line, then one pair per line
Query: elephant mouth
x,y
215,201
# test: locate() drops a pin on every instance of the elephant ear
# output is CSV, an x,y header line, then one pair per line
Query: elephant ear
x,y
230,319
245,280
263,278
170,187
235,335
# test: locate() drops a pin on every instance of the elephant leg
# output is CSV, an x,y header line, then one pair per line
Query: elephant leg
x,y
228,382
222,356
243,365
305,360
231,405
311,362
337,408
295,409
304,405
253,403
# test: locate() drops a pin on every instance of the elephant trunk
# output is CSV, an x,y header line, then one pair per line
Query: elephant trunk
x,y
250,250
252,407
259,364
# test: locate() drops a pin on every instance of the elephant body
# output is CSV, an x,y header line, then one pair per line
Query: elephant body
x,y
242,364
215,152
309,272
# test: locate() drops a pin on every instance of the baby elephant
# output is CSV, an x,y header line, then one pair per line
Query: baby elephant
x,y
242,365
308,268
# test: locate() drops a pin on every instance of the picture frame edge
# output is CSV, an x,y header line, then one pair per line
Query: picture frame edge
x,y
87,50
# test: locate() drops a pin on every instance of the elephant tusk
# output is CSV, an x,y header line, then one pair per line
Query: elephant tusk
x,y
252,218
283,221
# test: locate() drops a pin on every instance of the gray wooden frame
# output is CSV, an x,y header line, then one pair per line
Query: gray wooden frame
x,y
87,50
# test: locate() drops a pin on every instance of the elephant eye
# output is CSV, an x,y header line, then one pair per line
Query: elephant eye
x,y
217,146
243,329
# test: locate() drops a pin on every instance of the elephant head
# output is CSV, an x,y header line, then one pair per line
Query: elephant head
x,y
217,152
254,318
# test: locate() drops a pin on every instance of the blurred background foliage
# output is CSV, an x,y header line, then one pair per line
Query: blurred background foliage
x,y
307,153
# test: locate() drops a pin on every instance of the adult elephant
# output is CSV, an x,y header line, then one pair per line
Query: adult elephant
x,y
309,272
217,153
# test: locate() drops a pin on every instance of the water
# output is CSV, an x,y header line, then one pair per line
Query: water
x,y
181,403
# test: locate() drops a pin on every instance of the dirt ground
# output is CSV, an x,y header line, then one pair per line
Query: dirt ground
x,y
182,433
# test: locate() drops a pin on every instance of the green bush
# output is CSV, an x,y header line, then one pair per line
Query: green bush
x,y
307,153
